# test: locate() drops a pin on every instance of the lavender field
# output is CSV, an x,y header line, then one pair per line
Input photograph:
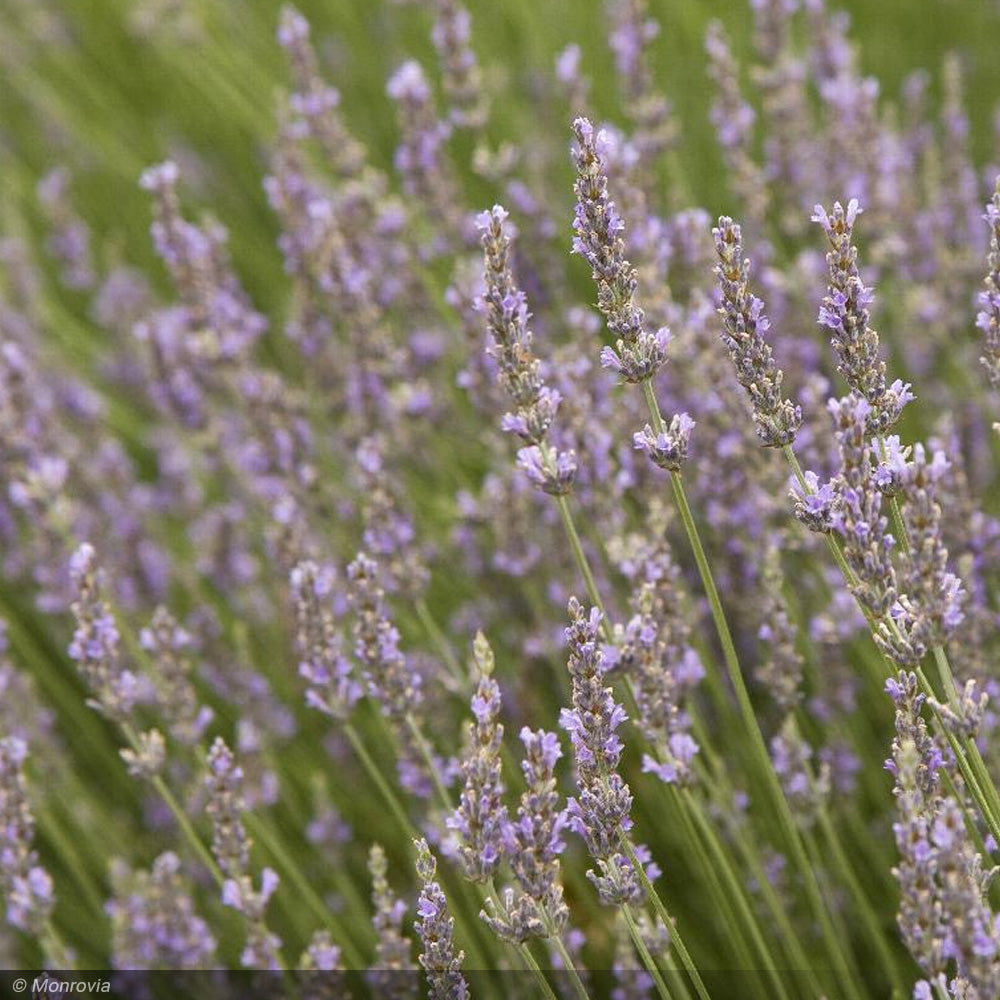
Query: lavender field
x,y
500,499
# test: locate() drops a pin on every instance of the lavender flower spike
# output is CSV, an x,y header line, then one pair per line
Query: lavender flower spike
x,y
481,815
944,914
506,310
669,449
776,419
858,515
322,662
600,815
533,844
392,950
26,886
988,319
436,927
930,610
95,645
638,353
845,312
231,849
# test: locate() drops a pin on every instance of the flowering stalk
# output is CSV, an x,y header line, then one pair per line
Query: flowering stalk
x,y
598,239
845,313
435,927
744,324
27,886
506,309
231,848
601,813
988,318
481,817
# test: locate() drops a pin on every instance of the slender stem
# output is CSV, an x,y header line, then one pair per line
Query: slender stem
x,y
647,959
750,720
289,868
862,904
186,827
705,834
372,769
543,984
430,763
567,959
441,641
661,911
582,563
54,948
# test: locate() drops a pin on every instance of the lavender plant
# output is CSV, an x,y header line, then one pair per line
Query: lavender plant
x,y
263,354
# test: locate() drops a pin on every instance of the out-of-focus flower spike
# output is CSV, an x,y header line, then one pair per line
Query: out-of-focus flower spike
x,y
392,948
224,785
27,886
481,816
154,924
988,318
314,102
461,75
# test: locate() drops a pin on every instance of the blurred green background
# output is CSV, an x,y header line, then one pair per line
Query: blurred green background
x,y
110,86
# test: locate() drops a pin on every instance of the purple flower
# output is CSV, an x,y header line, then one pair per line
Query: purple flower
x,y
669,448
27,887
638,353
550,470
600,813
845,312
988,318
776,419
435,928
481,816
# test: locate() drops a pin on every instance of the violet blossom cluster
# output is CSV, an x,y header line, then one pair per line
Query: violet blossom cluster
x,y
988,318
461,75
27,886
435,926
661,666
519,371
392,948
314,103
533,842
600,813
154,923
481,817
845,312
638,353
389,678
225,805
96,645
944,916
775,418
930,605
323,664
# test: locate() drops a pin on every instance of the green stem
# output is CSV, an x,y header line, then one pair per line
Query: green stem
x,y
187,828
647,959
862,904
543,984
661,911
373,772
702,833
581,561
440,640
429,762
578,987
290,869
